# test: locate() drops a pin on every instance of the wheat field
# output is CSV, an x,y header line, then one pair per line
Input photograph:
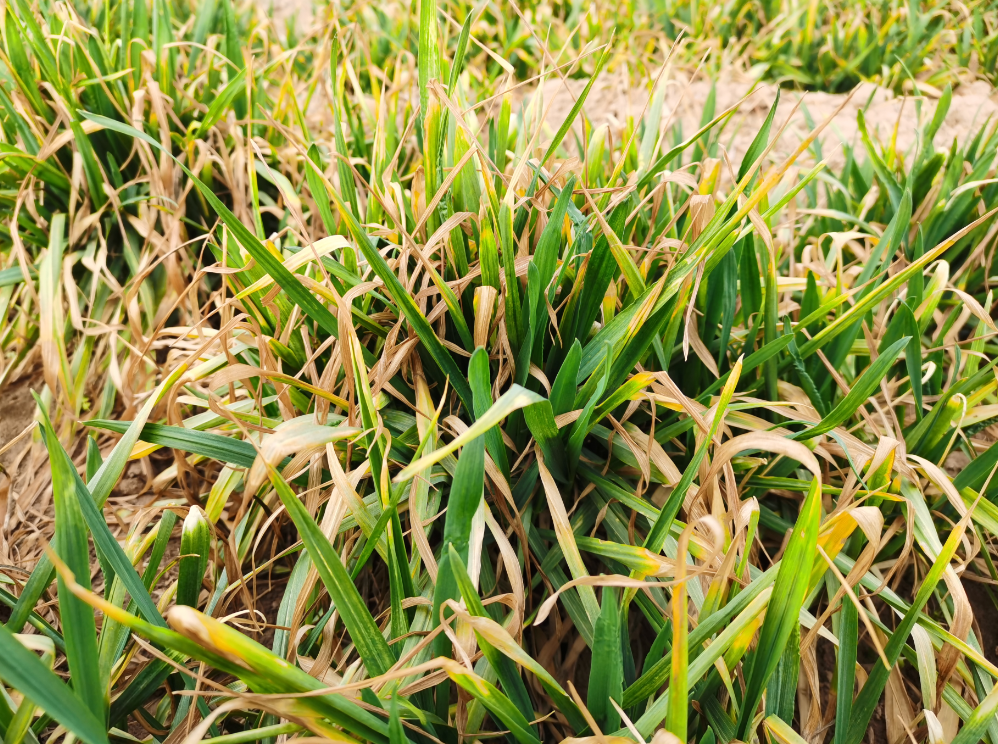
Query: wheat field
x,y
540,371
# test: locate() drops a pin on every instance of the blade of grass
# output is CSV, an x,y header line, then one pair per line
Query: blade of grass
x,y
79,628
606,675
25,672
875,683
356,617
224,449
868,382
782,615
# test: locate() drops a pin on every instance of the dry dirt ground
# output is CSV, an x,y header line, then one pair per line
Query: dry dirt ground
x,y
612,100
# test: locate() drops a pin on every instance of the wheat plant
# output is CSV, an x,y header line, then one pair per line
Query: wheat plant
x,y
374,405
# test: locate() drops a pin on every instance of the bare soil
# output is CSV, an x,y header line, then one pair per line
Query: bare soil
x,y
613,99
16,413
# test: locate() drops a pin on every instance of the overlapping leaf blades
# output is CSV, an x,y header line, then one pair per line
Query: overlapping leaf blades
x,y
464,440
